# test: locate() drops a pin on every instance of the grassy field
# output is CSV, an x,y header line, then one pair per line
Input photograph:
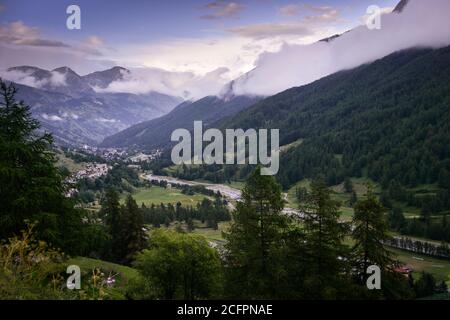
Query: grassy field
x,y
71,165
291,197
159,195
338,194
122,274
211,234
236,184
88,264
359,185
439,268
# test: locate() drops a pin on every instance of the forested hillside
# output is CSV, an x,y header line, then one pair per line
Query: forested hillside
x,y
388,120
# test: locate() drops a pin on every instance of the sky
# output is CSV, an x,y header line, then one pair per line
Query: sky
x,y
189,35
188,47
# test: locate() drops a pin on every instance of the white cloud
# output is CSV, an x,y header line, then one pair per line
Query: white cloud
x,y
66,115
57,79
51,117
422,23
366,18
107,120
54,79
182,84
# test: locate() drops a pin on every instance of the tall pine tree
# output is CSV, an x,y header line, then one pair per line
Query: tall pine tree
x,y
111,212
132,235
30,185
255,240
370,231
324,235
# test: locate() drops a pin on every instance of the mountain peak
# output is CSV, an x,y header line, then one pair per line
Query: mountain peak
x,y
25,68
31,71
103,79
65,70
400,6
118,68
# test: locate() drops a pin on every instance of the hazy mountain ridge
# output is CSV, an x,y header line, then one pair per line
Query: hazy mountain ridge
x,y
156,133
68,106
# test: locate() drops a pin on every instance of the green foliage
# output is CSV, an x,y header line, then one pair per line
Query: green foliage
x,y
348,185
27,264
120,177
255,240
207,211
125,225
370,231
31,269
425,286
30,184
324,236
179,266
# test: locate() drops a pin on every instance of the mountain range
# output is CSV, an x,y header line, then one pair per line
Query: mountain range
x,y
74,109
156,133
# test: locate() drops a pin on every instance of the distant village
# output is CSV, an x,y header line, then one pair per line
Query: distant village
x,y
94,170
114,154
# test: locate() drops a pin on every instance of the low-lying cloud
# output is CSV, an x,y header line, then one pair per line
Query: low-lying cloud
x,y
421,23
182,84
27,78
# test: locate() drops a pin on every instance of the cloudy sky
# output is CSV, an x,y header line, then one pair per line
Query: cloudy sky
x,y
184,36
194,48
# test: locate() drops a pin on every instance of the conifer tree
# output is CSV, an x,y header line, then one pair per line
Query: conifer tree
x,y
324,235
133,237
30,185
112,214
255,239
369,233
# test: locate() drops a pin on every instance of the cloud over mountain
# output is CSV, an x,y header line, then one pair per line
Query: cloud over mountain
x,y
420,23
183,84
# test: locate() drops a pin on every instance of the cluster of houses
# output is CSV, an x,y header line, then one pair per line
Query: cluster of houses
x,y
92,171
142,157
113,154
109,154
